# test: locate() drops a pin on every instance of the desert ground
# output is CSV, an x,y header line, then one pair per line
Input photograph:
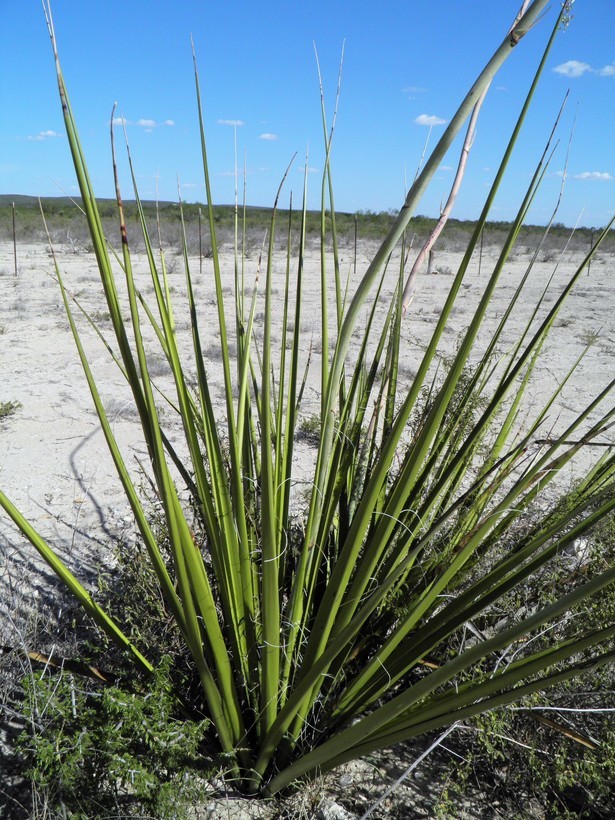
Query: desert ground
x,y
53,461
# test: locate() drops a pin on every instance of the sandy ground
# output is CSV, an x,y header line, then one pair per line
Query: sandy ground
x,y
53,460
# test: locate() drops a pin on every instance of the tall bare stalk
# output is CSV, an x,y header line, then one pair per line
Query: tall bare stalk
x,y
450,202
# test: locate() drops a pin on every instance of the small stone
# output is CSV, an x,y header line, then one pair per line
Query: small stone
x,y
333,811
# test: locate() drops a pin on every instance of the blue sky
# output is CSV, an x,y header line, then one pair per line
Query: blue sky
x,y
404,65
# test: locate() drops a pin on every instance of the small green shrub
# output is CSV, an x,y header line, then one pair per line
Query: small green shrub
x,y
310,429
89,747
8,408
517,759
99,316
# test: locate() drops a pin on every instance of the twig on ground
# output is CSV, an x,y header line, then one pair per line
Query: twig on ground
x,y
409,770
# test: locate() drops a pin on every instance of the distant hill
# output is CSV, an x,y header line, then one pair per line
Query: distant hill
x,y
64,216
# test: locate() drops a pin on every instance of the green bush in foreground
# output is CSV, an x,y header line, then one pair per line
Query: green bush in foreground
x,y
315,639
94,751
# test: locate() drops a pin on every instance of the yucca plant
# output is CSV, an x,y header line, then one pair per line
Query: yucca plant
x,y
323,634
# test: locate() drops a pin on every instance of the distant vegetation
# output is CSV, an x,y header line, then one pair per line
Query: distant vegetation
x,y
67,224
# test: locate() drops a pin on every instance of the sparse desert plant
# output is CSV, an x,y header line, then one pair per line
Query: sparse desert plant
x,y
100,316
589,336
317,636
8,408
309,429
95,750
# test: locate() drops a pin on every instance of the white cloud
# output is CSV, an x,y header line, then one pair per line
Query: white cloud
x,y
575,68
429,119
572,68
270,137
237,123
413,89
43,135
142,123
603,175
